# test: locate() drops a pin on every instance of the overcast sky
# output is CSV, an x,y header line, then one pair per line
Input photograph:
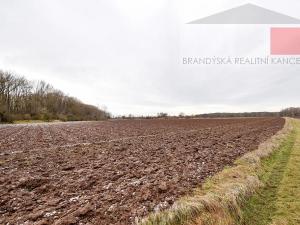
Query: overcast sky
x,y
127,55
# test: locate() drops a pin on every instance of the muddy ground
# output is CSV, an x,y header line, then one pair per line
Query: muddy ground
x,y
115,171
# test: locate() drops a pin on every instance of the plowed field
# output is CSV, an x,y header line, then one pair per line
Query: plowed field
x,y
115,171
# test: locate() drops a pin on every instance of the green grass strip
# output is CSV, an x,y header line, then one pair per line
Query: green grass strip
x,y
278,202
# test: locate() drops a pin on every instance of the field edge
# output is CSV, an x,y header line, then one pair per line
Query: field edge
x,y
219,200
277,203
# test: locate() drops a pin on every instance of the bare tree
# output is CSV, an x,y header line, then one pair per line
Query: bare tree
x,y
22,99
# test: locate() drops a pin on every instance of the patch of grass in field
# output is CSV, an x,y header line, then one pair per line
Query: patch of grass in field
x,y
28,121
33,121
278,202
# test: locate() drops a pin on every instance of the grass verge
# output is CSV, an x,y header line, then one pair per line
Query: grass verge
x,y
279,201
219,200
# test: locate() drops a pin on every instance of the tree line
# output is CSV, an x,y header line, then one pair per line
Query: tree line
x,y
21,99
244,114
288,112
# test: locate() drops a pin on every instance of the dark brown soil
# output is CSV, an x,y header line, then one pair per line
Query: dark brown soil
x,y
116,171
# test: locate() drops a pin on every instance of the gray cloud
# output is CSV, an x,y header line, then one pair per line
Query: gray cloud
x,y
127,55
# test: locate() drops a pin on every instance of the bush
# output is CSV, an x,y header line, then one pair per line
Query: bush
x,y
62,117
27,117
5,118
